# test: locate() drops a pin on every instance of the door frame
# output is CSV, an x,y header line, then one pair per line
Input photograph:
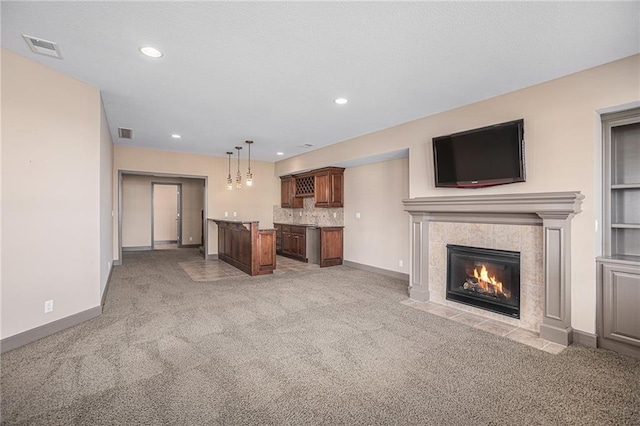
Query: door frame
x,y
169,175
178,212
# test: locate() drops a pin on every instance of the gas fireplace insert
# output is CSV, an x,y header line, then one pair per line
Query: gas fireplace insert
x,y
485,278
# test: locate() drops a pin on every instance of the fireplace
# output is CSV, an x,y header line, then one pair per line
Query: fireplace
x,y
485,278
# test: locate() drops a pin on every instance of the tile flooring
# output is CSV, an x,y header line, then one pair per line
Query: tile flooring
x,y
214,270
517,334
165,246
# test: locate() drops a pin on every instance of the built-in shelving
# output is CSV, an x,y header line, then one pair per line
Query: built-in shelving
x,y
618,279
622,185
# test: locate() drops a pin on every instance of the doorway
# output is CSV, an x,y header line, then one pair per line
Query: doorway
x,y
166,215
137,219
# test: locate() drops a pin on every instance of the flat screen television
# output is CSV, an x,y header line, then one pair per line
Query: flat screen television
x,y
492,155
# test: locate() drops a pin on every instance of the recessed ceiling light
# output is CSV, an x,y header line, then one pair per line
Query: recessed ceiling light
x,y
176,136
152,52
279,153
341,101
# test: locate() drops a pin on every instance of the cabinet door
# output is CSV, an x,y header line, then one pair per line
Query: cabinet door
x,y
266,255
337,190
322,187
278,238
287,243
285,192
620,301
299,246
330,247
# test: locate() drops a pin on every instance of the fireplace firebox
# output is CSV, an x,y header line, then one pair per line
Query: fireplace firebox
x,y
485,278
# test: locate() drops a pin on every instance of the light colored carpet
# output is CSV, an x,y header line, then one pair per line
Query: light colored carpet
x,y
318,347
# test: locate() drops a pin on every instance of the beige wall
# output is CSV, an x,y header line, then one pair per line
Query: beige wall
x,y
50,194
254,203
136,209
380,237
562,153
106,200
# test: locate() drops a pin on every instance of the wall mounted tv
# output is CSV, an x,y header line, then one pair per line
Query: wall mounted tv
x,y
492,155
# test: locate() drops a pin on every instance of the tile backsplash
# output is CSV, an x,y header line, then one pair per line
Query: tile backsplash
x,y
309,214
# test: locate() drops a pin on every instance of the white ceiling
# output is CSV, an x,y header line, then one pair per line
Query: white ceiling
x,y
269,71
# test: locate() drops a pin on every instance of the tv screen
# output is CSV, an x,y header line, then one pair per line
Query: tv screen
x,y
492,155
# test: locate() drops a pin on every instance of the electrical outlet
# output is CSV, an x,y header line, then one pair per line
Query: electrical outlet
x,y
400,263
48,306
108,265
300,214
335,215
358,215
226,214
235,214
190,238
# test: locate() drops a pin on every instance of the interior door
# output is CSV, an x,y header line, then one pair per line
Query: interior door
x,y
166,214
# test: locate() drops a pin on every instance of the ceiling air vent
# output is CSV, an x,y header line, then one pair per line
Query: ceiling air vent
x,y
125,133
43,47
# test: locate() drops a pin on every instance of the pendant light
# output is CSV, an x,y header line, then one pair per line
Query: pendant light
x,y
229,180
249,175
238,175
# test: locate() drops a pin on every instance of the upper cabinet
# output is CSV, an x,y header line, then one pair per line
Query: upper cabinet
x,y
325,185
288,192
329,188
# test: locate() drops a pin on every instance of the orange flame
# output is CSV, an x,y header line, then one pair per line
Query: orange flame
x,y
484,281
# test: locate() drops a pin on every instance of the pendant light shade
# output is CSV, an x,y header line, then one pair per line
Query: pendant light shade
x,y
249,175
238,174
229,180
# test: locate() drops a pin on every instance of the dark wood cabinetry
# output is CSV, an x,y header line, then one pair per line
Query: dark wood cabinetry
x,y
329,190
246,247
325,185
288,197
319,245
331,246
294,241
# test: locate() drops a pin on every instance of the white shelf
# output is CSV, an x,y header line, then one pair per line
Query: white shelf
x,y
626,186
626,225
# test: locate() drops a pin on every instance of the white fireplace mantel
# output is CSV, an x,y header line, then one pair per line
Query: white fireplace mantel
x,y
553,210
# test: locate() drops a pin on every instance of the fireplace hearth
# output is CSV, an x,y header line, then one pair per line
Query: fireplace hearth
x,y
485,278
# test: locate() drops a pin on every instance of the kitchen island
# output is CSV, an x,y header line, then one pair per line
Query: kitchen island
x,y
247,247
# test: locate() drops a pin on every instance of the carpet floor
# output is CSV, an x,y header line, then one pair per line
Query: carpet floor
x,y
329,346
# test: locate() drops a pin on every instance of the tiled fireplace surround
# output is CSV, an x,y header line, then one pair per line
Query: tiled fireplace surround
x,y
537,225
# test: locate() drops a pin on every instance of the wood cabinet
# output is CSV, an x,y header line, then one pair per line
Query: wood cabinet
x,y
329,188
325,185
246,247
278,228
294,242
319,245
288,197
331,246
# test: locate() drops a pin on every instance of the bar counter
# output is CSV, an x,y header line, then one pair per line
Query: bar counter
x,y
243,245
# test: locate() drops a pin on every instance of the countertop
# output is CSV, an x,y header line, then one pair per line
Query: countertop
x,y
308,225
233,221
242,222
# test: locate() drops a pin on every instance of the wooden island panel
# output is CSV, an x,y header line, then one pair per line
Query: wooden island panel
x,y
246,247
